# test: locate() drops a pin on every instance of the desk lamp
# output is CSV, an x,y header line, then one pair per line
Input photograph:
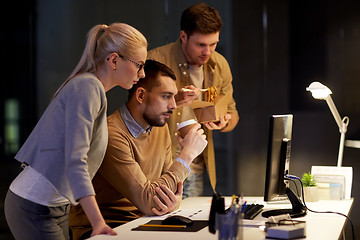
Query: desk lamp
x,y
320,91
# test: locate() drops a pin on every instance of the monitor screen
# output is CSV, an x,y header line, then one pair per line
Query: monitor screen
x,y
278,157
277,167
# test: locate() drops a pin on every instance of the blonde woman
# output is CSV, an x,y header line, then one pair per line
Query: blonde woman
x,y
68,144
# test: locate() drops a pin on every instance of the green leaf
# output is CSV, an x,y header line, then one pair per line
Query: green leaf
x,y
308,180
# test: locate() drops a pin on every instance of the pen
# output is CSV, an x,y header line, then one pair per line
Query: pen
x,y
163,226
243,207
233,198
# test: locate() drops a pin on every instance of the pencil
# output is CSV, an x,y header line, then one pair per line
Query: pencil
x,y
163,226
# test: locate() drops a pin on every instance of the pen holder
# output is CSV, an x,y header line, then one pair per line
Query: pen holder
x,y
228,225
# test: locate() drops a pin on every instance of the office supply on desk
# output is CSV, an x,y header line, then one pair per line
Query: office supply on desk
x,y
177,220
227,223
156,225
320,172
252,210
286,229
283,227
163,226
217,206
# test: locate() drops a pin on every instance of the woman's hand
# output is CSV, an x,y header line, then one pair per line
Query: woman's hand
x,y
93,213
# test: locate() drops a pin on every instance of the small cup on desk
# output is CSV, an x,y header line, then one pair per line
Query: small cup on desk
x,y
184,127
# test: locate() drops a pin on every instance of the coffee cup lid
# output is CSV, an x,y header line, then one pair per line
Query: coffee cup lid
x,y
185,123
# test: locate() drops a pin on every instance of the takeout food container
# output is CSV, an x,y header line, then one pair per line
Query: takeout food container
x,y
210,112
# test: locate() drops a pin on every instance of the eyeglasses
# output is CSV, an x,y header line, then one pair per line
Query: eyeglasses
x,y
139,65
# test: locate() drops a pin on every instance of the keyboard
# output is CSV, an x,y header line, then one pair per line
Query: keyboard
x,y
252,210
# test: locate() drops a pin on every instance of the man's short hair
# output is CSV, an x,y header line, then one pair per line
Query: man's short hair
x,y
152,70
200,18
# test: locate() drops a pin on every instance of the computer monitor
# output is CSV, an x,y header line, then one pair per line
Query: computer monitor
x,y
277,167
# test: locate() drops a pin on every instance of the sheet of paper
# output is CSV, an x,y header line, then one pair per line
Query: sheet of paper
x,y
347,172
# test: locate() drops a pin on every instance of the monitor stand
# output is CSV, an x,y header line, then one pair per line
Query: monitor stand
x,y
281,199
298,209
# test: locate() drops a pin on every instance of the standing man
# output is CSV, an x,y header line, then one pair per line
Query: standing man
x,y
138,175
195,62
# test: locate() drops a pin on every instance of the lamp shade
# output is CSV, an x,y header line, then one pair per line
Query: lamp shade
x,y
318,90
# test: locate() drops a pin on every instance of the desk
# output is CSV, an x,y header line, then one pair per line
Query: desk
x,y
318,225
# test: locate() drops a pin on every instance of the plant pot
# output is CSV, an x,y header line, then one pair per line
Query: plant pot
x,y
311,194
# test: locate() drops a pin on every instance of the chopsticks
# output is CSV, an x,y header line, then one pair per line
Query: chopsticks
x,y
189,90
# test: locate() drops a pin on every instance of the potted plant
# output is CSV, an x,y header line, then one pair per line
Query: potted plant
x,y
310,188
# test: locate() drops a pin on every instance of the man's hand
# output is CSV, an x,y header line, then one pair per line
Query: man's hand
x,y
192,144
170,200
223,121
184,98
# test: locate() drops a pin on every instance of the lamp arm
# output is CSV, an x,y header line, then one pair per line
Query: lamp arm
x,y
341,149
342,124
336,114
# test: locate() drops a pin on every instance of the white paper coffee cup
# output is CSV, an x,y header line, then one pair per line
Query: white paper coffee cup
x,y
184,127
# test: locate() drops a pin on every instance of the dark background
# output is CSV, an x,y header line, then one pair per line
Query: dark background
x,y
275,48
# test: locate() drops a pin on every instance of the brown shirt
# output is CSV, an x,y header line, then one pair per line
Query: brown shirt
x,y
216,73
132,169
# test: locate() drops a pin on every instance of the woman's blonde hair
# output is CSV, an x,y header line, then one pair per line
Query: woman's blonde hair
x,y
103,40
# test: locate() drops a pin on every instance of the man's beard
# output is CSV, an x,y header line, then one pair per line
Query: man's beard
x,y
155,120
